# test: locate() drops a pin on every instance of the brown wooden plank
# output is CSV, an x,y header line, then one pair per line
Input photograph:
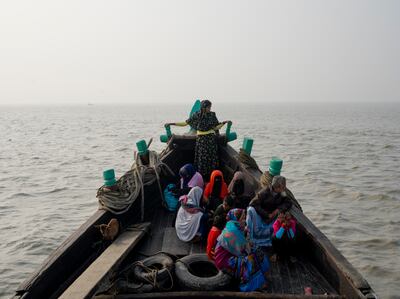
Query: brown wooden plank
x,y
336,268
198,247
219,294
104,266
64,260
296,277
172,245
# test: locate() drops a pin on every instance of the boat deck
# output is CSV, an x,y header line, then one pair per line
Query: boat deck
x,y
286,277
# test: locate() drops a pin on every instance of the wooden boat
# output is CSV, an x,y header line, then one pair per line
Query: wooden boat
x,y
82,265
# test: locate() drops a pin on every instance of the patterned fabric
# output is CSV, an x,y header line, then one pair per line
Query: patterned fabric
x,y
232,238
260,232
203,121
206,151
234,214
206,154
249,269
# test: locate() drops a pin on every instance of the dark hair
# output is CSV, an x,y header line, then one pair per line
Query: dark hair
x,y
238,187
205,104
230,201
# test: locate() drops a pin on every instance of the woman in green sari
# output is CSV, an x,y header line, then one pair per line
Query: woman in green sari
x,y
205,122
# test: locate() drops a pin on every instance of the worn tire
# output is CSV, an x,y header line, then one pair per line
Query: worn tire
x,y
187,271
162,262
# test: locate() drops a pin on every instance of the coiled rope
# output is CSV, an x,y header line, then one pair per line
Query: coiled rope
x,y
151,276
132,183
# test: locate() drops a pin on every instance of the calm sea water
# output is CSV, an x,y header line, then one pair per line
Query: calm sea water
x,y
342,163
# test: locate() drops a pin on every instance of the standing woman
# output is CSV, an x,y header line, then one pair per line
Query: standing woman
x,y
206,151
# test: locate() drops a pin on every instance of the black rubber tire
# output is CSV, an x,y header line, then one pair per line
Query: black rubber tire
x,y
192,282
163,274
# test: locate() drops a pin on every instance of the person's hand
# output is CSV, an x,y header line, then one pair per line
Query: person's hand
x,y
271,216
288,223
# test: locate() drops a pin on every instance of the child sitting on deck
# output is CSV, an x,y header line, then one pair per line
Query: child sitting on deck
x,y
283,240
218,225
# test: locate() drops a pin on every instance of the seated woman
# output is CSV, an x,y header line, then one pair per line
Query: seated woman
x,y
189,179
191,221
240,189
283,240
263,209
233,254
216,190
219,222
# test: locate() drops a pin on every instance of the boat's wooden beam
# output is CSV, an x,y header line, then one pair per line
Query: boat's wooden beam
x,y
219,294
100,271
55,269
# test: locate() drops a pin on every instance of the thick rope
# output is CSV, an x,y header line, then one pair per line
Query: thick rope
x,y
151,278
132,183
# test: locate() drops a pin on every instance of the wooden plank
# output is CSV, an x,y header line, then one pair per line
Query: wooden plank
x,y
296,277
103,267
152,244
64,261
199,247
336,268
172,245
219,294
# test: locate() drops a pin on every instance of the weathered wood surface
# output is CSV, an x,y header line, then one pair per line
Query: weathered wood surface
x,y
327,258
225,295
171,243
47,277
104,266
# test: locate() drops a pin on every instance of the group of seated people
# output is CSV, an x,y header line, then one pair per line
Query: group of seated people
x,y
243,230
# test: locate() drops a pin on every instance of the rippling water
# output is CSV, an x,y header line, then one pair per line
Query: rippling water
x,y
342,163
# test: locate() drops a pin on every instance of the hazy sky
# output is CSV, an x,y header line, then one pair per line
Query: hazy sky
x,y
175,51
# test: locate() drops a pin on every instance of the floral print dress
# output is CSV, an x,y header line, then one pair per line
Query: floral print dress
x,y
206,151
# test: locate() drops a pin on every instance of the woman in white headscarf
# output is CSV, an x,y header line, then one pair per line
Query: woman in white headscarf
x,y
189,222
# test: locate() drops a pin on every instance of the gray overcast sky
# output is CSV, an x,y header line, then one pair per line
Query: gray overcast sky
x,y
175,51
